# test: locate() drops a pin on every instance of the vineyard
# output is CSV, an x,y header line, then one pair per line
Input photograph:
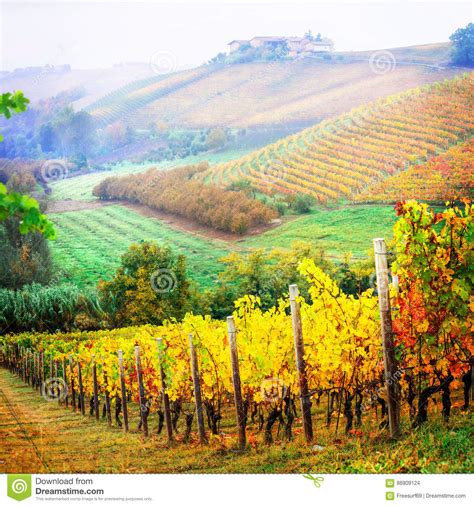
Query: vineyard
x,y
127,99
259,94
443,177
342,157
317,361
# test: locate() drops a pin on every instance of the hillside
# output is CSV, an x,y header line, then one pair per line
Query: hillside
x,y
425,54
339,158
276,94
95,83
444,177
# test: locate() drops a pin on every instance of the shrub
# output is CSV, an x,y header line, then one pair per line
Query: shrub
x,y
150,286
179,192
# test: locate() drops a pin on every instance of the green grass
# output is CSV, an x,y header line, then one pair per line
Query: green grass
x,y
80,187
337,231
90,243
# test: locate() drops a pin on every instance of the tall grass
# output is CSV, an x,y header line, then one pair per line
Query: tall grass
x,y
47,308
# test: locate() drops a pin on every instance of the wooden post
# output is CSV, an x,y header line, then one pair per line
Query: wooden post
x,y
197,391
73,393
141,392
390,366
300,363
41,370
58,391
66,397
107,401
24,365
123,391
28,366
81,389
36,367
166,401
96,388
238,401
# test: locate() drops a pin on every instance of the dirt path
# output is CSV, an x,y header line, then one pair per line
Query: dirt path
x,y
66,206
39,436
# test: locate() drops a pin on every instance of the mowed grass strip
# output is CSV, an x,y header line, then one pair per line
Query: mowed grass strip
x,y
90,243
338,231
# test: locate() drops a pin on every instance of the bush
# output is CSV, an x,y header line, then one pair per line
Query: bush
x,y
179,192
300,203
150,286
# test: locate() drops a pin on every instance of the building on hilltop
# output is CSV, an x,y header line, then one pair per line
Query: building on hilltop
x,y
297,46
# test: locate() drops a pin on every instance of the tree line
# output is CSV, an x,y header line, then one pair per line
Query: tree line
x,y
179,192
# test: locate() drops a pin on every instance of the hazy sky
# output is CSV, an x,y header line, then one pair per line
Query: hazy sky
x,y
94,34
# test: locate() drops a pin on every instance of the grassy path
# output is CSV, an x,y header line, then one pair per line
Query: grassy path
x,y
19,435
37,436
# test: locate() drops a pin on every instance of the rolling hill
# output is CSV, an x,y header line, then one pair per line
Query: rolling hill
x,y
293,93
41,83
339,158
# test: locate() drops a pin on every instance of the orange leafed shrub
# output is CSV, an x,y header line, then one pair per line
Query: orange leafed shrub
x,y
178,192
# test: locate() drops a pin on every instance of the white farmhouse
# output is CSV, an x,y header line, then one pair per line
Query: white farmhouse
x,y
298,46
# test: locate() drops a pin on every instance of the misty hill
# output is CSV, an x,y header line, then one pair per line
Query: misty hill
x,y
263,94
39,83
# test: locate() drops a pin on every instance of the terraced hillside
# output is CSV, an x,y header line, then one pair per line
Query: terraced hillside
x,y
276,94
444,177
134,96
339,158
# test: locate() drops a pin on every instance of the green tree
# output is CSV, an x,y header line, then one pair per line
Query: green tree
x,y
47,138
463,46
150,286
75,132
20,215
25,257
266,274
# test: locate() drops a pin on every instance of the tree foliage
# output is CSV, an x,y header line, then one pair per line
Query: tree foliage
x,y
463,46
179,192
434,319
150,286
